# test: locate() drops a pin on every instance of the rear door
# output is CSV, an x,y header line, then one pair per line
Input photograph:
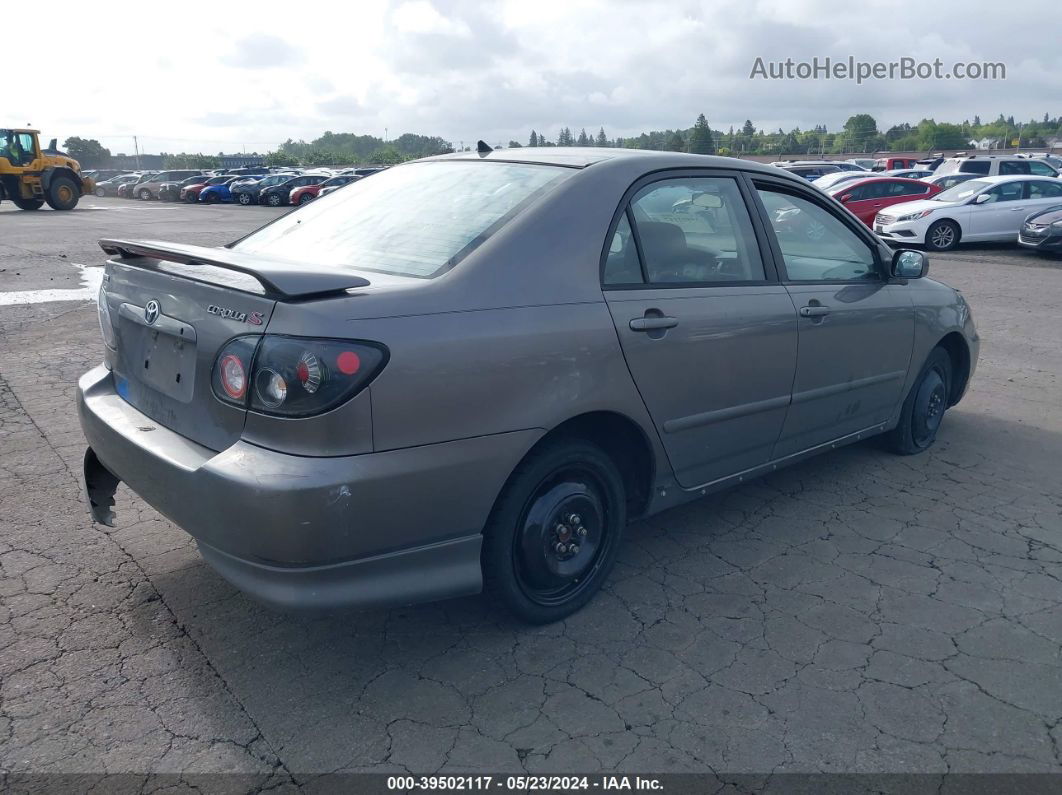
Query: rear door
x,y
708,333
855,328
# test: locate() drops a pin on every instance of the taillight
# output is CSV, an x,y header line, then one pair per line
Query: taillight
x,y
294,376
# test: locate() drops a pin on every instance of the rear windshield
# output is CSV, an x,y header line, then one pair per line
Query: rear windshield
x,y
414,220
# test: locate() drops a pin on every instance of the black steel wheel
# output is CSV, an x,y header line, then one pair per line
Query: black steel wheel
x,y
923,410
554,532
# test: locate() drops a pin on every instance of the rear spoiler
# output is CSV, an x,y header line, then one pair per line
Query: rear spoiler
x,y
281,279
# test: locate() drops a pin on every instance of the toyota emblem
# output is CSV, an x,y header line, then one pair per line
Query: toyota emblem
x,y
151,312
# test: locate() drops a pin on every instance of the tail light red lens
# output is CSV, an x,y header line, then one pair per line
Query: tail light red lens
x,y
295,376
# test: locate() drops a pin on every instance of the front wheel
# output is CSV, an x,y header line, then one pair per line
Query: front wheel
x,y
273,200
923,410
942,236
145,195
28,204
243,198
101,192
552,537
305,199
191,198
62,194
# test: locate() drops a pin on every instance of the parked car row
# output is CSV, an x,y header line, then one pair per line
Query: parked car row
x,y
966,198
259,186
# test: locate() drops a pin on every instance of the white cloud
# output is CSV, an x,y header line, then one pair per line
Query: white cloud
x,y
466,70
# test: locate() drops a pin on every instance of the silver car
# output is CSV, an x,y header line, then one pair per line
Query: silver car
x,y
472,371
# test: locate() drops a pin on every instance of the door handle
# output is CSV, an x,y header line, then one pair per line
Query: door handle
x,y
814,311
652,323
1016,209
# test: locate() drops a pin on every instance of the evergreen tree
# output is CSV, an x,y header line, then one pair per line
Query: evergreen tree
x,y
584,139
534,139
676,143
602,139
747,129
701,141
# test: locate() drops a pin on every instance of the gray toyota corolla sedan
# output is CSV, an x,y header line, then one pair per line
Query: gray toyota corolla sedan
x,y
471,371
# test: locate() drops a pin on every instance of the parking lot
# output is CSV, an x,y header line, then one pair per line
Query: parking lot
x,y
858,612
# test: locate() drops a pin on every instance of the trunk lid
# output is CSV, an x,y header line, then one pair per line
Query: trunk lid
x,y
173,307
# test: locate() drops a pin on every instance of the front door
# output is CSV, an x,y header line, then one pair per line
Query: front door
x,y
1001,215
708,333
855,329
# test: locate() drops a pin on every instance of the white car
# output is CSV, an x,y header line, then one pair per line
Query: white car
x,y
986,208
837,177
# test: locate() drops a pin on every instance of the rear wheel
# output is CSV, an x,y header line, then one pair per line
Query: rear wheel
x,y
923,410
145,195
305,198
28,204
243,198
942,236
552,537
273,200
191,198
101,192
62,194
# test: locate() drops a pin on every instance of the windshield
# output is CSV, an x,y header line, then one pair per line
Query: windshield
x,y
414,220
962,191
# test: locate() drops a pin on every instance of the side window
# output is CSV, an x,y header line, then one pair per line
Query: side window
x,y
29,153
816,245
622,265
1044,190
1007,192
1041,169
1014,167
975,166
860,192
696,230
905,189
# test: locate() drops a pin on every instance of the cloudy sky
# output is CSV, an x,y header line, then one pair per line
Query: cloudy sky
x,y
198,76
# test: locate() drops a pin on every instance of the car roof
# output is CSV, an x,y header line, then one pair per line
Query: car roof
x,y
583,157
997,178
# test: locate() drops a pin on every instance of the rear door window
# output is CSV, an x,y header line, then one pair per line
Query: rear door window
x,y
975,166
695,230
1014,167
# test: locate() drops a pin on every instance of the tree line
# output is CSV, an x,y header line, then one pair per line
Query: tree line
x,y
860,133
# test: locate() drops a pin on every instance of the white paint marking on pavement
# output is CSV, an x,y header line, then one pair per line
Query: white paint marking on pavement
x,y
91,279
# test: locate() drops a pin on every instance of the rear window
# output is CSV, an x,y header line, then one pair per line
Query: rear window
x,y
414,220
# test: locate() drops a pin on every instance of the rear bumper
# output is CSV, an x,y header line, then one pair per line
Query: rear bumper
x,y
301,532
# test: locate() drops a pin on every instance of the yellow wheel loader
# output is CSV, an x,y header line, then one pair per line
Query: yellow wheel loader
x,y
31,177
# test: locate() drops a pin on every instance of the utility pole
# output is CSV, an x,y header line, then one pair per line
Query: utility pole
x,y
136,152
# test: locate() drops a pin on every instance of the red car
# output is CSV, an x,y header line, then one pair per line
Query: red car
x,y
865,197
889,163
306,193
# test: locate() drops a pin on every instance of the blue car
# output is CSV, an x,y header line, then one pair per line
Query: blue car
x,y
212,194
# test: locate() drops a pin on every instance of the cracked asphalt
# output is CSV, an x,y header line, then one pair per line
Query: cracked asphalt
x,y
859,612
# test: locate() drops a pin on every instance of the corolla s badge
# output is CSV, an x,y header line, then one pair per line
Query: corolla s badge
x,y
151,312
254,318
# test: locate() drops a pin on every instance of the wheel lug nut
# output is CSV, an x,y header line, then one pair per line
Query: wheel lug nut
x,y
575,520
574,548
581,531
561,549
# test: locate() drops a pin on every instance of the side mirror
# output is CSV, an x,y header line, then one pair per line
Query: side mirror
x,y
846,198
909,264
981,198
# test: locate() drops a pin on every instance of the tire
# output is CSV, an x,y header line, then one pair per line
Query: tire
x,y
305,198
567,493
273,200
28,204
243,198
943,236
210,198
923,410
191,198
145,195
62,194
101,192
